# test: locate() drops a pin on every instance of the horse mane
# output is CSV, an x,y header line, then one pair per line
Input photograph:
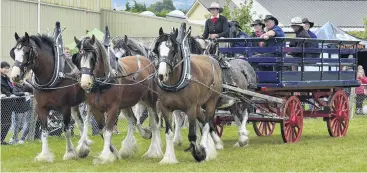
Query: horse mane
x,y
39,40
105,58
133,46
195,46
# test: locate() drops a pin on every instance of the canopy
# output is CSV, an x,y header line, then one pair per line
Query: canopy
x,y
330,31
96,32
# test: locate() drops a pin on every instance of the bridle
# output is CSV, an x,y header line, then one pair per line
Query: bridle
x,y
172,62
30,60
82,52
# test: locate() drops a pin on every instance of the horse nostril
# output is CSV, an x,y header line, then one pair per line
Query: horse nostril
x,y
160,76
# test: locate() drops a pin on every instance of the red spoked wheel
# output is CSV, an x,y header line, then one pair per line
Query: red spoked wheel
x,y
263,128
337,124
292,126
218,126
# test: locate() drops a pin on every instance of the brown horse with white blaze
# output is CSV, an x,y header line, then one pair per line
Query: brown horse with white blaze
x,y
203,90
37,53
107,94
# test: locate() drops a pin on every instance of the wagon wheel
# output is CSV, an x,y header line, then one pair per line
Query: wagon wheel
x,y
292,127
218,126
337,124
263,128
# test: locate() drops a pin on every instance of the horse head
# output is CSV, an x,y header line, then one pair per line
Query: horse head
x,y
168,52
24,55
92,61
121,48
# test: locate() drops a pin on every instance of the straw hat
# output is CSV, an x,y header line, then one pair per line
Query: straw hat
x,y
215,5
297,21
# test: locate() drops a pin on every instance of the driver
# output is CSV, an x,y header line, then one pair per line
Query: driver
x,y
217,25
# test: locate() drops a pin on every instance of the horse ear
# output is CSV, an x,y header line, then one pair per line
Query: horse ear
x,y
161,31
76,40
16,36
93,40
26,36
125,39
176,33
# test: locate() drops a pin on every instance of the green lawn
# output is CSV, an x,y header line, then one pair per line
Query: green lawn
x,y
316,152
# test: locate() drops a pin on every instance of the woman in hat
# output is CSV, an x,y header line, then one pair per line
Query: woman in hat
x,y
217,25
259,30
297,26
271,23
308,25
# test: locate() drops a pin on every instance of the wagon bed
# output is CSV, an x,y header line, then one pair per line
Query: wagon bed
x,y
318,82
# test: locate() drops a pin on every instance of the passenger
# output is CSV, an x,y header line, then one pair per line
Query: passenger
x,y
259,30
297,26
307,27
217,26
271,23
239,34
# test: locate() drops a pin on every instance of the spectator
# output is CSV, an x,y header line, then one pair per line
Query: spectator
x,y
23,114
6,103
361,90
67,53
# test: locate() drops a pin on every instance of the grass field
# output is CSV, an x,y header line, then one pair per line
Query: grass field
x,y
316,152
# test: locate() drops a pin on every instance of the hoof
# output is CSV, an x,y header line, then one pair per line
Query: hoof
x,y
147,134
167,160
44,157
82,151
177,142
198,153
127,152
241,144
219,146
88,142
70,155
105,158
153,153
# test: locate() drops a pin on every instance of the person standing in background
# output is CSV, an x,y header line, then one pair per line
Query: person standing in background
x,y
361,90
23,114
6,102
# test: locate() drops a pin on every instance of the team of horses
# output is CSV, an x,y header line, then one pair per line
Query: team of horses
x,y
175,76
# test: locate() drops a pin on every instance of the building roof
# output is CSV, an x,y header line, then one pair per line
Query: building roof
x,y
222,3
342,13
148,13
176,14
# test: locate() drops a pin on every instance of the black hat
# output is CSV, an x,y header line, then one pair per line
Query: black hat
x,y
270,17
235,23
258,22
4,64
305,20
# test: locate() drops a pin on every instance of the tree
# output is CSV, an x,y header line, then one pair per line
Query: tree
x,y
160,6
137,7
361,34
127,6
242,15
